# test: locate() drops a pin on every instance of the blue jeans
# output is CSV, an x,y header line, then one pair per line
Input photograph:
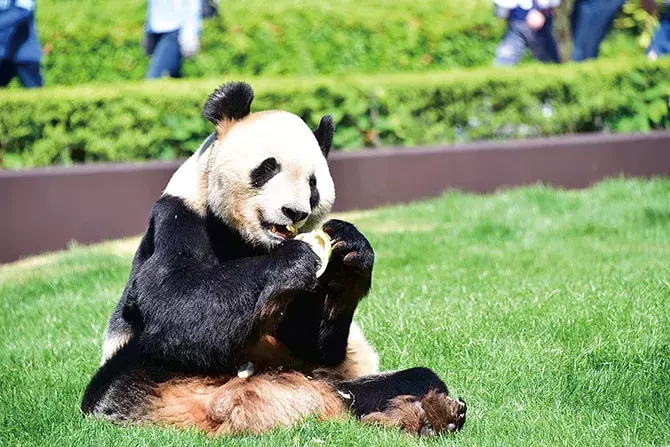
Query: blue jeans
x,y
165,54
28,73
520,36
660,43
591,20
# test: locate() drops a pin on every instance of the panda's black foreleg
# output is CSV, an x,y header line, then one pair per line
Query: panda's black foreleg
x,y
316,324
345,282
349,274
415,400
198,318
120,328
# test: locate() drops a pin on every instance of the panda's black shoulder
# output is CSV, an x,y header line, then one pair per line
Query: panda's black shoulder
x,y
176,227
173,212
168,205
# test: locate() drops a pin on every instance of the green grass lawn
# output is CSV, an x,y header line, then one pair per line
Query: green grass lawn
x,y
547,310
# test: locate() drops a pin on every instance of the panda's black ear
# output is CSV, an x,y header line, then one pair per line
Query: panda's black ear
x,y
324,134
230,102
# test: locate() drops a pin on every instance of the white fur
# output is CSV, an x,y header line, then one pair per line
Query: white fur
x,y
187,181
245,145
184,182
355,333
112,344
362,359
219,176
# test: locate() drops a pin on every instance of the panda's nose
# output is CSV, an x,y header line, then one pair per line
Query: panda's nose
x,y
294,214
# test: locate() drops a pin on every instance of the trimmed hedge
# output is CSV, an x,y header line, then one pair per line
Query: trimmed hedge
x,y
98,41
161,120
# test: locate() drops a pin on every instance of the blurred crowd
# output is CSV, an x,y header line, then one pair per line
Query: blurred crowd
x,y
172,32
530,25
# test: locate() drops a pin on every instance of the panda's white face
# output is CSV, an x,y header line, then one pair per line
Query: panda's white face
x,y
268,178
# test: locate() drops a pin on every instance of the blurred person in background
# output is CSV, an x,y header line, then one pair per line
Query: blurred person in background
x,y
529,25
20,51
660,43
210,8
172,33
591,20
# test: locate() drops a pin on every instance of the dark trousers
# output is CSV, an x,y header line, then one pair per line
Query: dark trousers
x,y
28,73
165,54
520,36
660,44
591,20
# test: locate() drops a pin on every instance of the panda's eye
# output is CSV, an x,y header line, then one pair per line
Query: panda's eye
x,y
264,172
313,192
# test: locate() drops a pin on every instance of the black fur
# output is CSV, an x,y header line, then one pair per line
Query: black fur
x,y
190,287
324,134
119,388
316,325
373,393
198,295
230,101
264,172
294,214
195,295
207,143
314,196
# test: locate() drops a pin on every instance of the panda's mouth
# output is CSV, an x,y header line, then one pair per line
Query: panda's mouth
x,y
282,232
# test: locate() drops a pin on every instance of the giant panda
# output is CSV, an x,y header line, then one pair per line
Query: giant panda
x,y
218,281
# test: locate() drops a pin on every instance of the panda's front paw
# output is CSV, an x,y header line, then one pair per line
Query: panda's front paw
x,y
296,264
352,257
350,248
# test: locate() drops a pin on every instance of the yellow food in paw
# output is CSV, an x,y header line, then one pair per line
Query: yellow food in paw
x,y
320,243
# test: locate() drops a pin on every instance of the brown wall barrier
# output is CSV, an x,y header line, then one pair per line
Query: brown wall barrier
x,y
44,209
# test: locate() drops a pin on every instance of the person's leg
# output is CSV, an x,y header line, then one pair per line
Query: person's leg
x,y
660,43
591,20
166,56
584,33
153,47
511,49
608,11
174,67
29,75
7,72
543,45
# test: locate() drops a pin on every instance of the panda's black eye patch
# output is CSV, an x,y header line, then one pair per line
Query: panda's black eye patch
x,y
264,172
313,192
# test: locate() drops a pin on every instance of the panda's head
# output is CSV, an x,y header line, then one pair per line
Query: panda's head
x,y
266,173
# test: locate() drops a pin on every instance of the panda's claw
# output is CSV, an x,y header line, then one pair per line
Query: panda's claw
x,y
351,260
351,256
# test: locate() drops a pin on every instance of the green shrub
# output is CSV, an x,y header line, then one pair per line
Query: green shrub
x,y
98,41
638,21
160,120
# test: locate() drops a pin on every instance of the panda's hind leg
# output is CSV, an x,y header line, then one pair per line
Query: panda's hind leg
x,y
229,406
424,416
414,400
183,403
268,400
